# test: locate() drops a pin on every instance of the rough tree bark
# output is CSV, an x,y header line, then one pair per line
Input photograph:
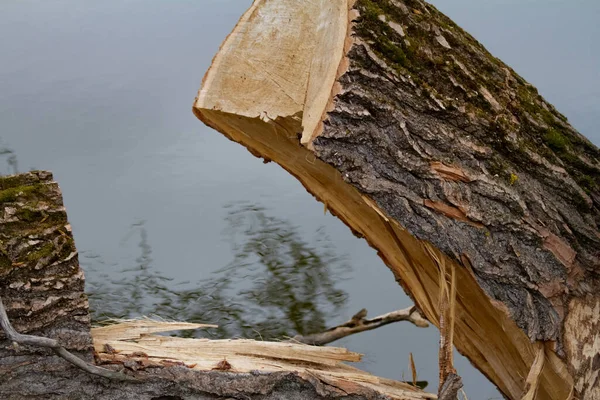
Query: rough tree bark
x,y
444,159
41,287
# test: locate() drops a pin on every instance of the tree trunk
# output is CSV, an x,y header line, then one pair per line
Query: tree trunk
x,y
443,159
41,287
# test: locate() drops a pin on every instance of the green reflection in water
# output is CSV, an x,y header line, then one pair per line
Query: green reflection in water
x,y
276,286
8,158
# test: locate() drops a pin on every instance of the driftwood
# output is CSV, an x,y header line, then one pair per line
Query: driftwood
x,y
48,349
444,159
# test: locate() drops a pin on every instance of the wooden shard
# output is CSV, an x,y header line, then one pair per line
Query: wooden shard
x,y
325,364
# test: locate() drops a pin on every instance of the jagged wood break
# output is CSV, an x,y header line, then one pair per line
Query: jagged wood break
x,y
41,285
436,152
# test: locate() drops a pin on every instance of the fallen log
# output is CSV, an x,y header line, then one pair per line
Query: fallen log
x,y
48,349
443,159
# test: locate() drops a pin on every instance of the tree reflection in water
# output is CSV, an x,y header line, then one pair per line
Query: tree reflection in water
x,y
9,156
277,284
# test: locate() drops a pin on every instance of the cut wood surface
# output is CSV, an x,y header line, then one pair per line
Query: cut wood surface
x,y
442,158
48,322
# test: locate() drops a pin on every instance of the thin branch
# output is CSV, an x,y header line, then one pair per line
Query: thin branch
x,y
39,341
360,323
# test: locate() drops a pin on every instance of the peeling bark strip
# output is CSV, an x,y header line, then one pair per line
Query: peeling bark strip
x,y
411,132
41,286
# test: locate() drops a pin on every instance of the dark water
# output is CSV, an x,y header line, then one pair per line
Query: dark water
x,y
172,219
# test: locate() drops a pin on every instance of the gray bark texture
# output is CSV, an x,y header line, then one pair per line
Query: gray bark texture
x,y
42,288
55,380
40,279
458,148
519,194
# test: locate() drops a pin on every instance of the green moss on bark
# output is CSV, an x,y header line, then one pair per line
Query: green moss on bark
x,y
436,70
29,215
44,251
12,194
28,193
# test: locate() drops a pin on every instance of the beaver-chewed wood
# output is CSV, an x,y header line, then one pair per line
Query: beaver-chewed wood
x,y
42,289
413,134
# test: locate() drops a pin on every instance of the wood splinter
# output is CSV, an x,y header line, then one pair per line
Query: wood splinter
x,y
533,379
450,381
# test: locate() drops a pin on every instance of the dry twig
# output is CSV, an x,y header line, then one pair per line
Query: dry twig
x,y
360,323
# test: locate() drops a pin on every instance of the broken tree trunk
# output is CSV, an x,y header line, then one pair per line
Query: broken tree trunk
x,y
443,159
42,302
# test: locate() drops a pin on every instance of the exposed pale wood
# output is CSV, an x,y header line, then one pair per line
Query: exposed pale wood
x,y
582,344
533,379
413,369
133,329
449,380
459,152
174,347
311,38
243,356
